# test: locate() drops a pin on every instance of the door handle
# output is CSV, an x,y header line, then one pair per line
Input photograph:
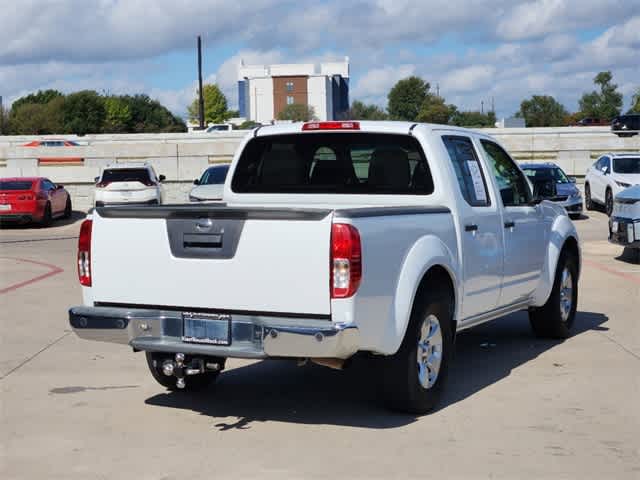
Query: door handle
x,y
471,228
509,224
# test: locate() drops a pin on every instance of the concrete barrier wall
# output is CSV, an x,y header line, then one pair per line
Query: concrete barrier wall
x,y
182,157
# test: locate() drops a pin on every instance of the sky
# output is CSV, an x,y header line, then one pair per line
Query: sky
x,y
474,50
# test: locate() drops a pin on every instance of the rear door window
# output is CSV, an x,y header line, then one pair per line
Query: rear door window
x,y
344,163
468,170
126,175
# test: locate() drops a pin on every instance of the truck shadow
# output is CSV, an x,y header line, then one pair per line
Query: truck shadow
x,y
280,391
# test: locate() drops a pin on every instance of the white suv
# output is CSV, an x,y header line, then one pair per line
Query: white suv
x,y
610,175
129,183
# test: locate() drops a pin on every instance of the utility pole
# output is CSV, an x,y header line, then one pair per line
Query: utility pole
x,y
200,96
437,89
493,106
482,106
1,117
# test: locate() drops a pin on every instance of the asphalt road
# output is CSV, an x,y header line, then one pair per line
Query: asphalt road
x,y
516,407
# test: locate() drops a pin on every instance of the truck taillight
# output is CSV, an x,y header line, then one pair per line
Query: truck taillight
x,y
84,253
346,260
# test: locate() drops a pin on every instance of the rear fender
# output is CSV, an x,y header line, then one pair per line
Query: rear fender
x,y
561,230
429,251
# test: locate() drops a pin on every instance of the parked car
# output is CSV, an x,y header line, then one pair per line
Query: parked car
x,y
336,238
608,176
626,125
591,122
129,183
567,193
51,143
624,224
210,185
33,199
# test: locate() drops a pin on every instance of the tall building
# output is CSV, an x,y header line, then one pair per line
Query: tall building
x,y
265,90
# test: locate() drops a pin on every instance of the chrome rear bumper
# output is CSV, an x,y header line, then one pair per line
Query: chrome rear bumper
x,y
251,336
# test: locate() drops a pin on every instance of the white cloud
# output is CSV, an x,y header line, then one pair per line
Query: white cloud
x,y
374,85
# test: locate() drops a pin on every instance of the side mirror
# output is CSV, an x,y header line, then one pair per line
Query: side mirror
x,y
162,178
95,180
572,179
196,182
544,190
605,170
59,187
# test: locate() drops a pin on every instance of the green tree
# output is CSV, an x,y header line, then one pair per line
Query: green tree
x,y
406,98
37,118
605,103
635,102
297,112
362,111
40,97
117,115
473,119
248,125
435,110
150,116
215,106
542,111
84,112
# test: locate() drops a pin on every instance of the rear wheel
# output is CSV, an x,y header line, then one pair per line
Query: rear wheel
x,y
67,209
414,377
46,216
555,318
192,382
609,202
588,203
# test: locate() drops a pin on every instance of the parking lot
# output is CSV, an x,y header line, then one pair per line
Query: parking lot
x,y
515,407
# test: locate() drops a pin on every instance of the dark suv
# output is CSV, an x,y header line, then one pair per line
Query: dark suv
x,y
626,125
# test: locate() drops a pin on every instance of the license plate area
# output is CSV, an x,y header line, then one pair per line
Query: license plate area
x,y
5,208
208,328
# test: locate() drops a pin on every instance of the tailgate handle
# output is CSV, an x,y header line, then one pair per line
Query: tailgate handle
x,y
202,240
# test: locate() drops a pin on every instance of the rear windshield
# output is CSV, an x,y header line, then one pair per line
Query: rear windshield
x,y
9,185
345,163
214,176
626,165
126,175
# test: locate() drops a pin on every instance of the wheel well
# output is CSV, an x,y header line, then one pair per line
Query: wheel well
x,y
570,248
439,277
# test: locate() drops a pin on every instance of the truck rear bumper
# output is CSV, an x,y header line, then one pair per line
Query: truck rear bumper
x,y
252,336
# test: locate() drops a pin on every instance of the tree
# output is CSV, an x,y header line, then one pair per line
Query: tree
x,y
604,104
37,118
84,112
150,116
297,112
406,97
542,111
215,106
434,110
117,115
248,125
362,111
635,102
473,119
40,97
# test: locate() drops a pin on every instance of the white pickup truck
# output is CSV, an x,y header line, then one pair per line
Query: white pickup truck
x,y
337,238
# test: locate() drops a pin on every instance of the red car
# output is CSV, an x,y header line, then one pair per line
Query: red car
x,y
33,199
51,143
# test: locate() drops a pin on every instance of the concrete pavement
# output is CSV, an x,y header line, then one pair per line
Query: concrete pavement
x,y
516,407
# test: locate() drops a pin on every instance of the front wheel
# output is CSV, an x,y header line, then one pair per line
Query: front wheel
x,y
414,377
47,216
555,318
67,209
588,203
609,202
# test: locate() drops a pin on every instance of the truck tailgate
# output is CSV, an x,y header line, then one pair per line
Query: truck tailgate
x,y
228,259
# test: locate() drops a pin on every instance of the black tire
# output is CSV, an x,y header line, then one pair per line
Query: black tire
x,y
548,321
192,382
67,209
608,202
401,385
47,217
588,203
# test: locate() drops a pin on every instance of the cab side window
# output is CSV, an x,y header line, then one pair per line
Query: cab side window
x,y
514,189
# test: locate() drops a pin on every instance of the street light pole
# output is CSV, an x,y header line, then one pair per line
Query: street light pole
x,y
200,96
